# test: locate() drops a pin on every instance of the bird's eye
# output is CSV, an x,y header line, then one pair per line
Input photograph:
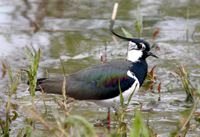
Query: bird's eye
x,y
142,46
139,46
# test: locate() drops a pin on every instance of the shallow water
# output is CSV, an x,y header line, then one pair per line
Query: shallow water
x,y
77,33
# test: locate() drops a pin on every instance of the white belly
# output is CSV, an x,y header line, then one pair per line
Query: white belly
x,y
115,102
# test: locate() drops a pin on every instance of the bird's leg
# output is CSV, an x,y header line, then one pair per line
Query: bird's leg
x,y
108,119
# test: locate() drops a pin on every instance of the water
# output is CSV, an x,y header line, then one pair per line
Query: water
x,y
77,32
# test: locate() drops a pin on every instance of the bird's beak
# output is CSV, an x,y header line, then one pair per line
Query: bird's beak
x,y
151,54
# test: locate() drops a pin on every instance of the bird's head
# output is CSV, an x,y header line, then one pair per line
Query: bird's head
x,y
138,49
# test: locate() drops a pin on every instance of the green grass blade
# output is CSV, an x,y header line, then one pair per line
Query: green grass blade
x,y
84,126
130,97
139,129
121,96
34,57
126,33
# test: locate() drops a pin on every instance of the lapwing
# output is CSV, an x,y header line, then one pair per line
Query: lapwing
x,y
102,83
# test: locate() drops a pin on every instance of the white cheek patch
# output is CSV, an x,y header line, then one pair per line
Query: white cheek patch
x,y
134,55
132,45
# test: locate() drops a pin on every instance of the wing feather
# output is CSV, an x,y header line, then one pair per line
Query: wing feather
x,y
100,82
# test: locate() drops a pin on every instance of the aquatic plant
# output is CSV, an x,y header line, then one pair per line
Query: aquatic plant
x,y
138,24
34,58
121,113
192,96
9,113
187,115
70,125
139,128
186,84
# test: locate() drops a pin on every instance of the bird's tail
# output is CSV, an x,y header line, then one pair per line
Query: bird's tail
x,y
50,85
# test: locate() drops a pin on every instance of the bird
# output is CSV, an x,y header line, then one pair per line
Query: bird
x,y
102,83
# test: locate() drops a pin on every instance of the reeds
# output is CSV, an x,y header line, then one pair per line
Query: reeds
x,y
138,128
192,96
34,58
186,84
10,113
